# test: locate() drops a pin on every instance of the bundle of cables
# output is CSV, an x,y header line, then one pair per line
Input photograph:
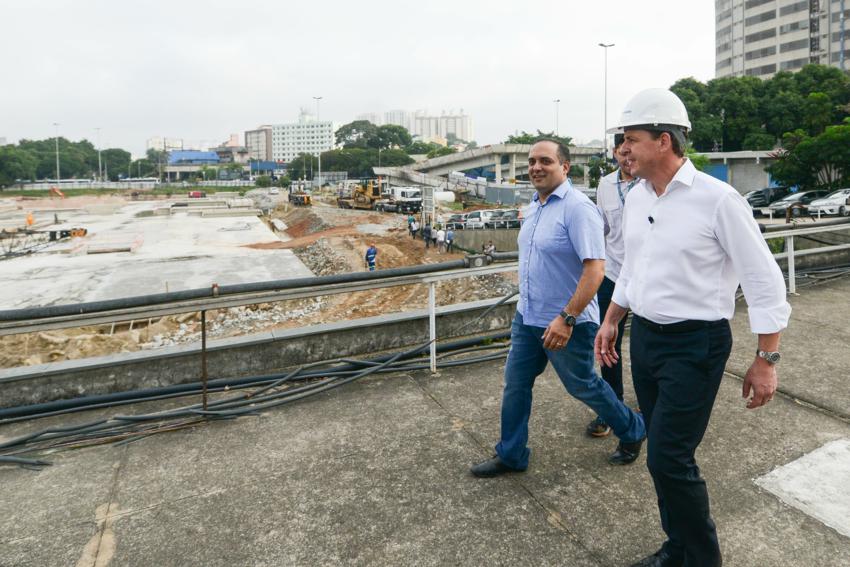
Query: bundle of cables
x,y
261,393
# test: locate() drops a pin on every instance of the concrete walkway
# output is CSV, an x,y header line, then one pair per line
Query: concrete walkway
x,y
375,473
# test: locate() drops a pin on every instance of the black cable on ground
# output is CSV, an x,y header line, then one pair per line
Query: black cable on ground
x,y
128,428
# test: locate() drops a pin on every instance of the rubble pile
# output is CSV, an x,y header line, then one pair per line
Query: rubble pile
x,y
322,259
236,321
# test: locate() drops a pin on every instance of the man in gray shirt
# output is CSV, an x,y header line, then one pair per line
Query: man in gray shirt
x,y
610,199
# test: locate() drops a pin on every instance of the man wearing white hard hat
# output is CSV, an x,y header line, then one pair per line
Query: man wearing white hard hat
x,y
690,240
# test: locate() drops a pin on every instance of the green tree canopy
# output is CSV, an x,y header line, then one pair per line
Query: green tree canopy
x,y
527,138
441,151
356,134
821,161
363,134
746,113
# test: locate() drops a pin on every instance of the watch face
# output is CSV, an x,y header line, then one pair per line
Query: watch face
x,y
773,357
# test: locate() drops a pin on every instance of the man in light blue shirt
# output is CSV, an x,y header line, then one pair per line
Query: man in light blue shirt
x,y
561,263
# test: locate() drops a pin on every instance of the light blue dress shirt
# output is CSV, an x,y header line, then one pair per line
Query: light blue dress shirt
x,y
555,238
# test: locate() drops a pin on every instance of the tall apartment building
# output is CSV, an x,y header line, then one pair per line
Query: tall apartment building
x,y
259,143
372,117
430,127
305,136
762,37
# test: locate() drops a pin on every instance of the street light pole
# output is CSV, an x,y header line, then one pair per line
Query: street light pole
x,y
557,102
317,99
605,46
58,176
99,166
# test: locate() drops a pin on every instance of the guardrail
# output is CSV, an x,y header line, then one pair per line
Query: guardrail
x,y
478,266
791,253
17,321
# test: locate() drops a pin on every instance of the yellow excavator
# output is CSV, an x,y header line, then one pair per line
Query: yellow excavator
x,y
363,196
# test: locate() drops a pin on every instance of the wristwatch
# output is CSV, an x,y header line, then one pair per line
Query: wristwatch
x,y
771,357
570,320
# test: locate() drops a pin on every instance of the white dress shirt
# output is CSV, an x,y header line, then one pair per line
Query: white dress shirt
x,y
687,251
610,197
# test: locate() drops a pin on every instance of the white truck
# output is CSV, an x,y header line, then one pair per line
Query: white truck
x,y
401,200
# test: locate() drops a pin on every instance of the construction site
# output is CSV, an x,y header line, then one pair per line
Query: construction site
x,y
89,248
219,380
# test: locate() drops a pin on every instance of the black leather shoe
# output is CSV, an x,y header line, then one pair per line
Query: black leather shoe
x,y
659,559
492,467
626,453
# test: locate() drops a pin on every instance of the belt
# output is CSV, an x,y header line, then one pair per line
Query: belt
x,y
680,327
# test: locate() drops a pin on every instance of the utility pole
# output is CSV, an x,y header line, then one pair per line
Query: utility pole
x,y
605,46
317,99
557,122
99,166
58,175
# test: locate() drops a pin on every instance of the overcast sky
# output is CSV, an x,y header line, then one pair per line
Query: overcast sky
x,y
203,70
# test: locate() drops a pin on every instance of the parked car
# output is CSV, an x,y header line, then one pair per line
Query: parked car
x,y
761,198
836,203
509,218
456,221
478,219
800,202
197,194
274,191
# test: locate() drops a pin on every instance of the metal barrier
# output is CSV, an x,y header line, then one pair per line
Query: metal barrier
x,y
214,301
478,266
790,254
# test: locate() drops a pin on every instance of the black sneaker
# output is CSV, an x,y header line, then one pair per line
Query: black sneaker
x,y
598,428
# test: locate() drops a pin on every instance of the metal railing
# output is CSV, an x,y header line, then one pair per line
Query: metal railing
x,y
216,301
791,253
479,265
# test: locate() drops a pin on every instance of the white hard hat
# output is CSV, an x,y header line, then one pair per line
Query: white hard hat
x,y
653,107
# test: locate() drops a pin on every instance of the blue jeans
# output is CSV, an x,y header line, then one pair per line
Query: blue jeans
x,y
574,365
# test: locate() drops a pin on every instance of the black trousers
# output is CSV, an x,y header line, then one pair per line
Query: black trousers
x,y
677,371
614,374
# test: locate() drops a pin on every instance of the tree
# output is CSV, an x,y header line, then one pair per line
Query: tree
x,y
358,162
441,151
390,136
419,147
15,164
302,166
598,167
356,134
115,163
263,181
821,161
526,138
817,112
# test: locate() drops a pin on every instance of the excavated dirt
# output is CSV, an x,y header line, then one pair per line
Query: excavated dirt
x,y
328,241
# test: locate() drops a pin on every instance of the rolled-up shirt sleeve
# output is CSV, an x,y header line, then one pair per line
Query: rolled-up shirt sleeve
x,y
753,264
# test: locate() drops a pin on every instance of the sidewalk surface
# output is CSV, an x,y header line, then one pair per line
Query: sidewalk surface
x,y
376,473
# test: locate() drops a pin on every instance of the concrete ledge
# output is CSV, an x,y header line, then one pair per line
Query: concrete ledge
x,y
259,353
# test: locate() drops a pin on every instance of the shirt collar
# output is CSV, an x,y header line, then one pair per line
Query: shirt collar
x,y
561,191
684,177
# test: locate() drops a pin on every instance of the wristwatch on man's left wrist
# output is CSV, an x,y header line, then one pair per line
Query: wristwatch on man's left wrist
x,y
570,320
771,357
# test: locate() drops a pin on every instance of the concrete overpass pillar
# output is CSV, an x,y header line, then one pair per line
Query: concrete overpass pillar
x,y
498,168
512,173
